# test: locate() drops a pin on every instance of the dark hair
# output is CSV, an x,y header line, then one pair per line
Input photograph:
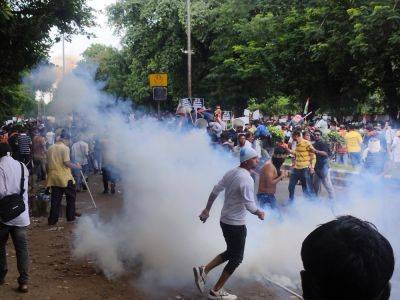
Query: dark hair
x,y
318,131
346,259
296,133
248,135
4,148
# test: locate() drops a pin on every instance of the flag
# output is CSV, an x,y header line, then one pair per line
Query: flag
x,y
306,106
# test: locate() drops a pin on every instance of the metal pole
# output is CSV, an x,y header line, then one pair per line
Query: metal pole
x,y
189,50
87,186
158,108
63,55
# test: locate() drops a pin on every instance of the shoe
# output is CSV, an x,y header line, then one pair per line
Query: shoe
x,y
78,214
23,288
221,295
105,192
199,278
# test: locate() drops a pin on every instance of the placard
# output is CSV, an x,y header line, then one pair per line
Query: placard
x,y
226,115
197,103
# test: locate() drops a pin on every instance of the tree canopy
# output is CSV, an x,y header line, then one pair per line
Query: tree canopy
x,y
25,39
342,54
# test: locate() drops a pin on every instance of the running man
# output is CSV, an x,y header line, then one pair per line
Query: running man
x,y
239,197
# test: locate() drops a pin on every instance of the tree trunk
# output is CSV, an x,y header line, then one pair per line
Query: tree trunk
x,y
391,97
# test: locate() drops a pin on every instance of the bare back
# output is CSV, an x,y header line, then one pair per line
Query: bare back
x,y
267,174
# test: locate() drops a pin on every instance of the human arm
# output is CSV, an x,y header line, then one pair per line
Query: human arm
x,y
218,188
3,189
67,161
247,191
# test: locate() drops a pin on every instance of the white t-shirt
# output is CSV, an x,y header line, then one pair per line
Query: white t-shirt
x,y
239,196
10,179
50,138
396,149
80,152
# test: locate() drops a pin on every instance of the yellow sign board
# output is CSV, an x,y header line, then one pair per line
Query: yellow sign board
x,y
158,80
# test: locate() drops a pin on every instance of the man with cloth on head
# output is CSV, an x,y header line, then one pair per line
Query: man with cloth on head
x,y
239,197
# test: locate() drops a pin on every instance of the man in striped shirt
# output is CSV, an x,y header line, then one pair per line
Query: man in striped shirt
x,y
24,147
304,165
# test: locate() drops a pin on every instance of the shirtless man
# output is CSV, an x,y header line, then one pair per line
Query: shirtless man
x,y
267,185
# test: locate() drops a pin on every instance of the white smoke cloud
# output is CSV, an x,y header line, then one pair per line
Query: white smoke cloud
x,y
167,174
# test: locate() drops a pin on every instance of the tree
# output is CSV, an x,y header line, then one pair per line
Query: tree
x,y
25,39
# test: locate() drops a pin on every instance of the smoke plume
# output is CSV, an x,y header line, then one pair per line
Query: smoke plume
x,y
167,174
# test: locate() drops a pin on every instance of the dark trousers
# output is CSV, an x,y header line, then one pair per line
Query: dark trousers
x,y
305,178
235,238
18,236
56,197
109,175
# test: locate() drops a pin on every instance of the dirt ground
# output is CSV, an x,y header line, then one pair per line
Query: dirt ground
x,y
55,274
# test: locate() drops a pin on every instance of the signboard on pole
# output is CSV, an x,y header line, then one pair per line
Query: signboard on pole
x,y
160,93
158,80
226,115
197,103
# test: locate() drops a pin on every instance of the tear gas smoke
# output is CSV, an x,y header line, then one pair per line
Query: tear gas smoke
x,y
167,175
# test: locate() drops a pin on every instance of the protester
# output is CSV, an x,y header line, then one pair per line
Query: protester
x,y
268,180
303,166
79,155
39,156
10,183
396,149
239,197
60,179
346,259
24,148
322,169
353,141
281,152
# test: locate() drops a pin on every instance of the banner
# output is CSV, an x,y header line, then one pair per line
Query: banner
x,y
226,115
185,102
256,115
198,103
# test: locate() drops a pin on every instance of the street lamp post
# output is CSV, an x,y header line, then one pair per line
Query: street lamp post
x,y
189,50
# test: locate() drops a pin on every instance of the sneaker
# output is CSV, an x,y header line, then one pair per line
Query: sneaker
x,y
199,278
221,295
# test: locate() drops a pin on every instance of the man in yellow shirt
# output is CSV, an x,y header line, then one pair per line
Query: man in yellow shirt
x,y
60,179
353,143
303,166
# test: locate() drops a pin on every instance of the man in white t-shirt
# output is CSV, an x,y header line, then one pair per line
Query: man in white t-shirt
x,y
239,198
10,183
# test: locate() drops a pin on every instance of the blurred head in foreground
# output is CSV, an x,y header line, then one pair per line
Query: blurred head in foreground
x,y
346,259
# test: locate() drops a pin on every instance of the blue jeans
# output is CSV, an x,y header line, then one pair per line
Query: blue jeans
x,y
355,158
305,178
265,200
341,158
322,175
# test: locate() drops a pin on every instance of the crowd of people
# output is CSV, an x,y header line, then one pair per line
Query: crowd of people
x,y
309,148
64,158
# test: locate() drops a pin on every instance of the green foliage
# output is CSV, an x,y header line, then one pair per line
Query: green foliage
x,y
25,40
278,105
334,137
276,134
341,54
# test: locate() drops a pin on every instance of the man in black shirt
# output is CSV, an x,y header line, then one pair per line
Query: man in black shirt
x,y
322,174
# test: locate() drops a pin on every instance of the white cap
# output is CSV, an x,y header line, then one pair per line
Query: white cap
x,y
247,153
